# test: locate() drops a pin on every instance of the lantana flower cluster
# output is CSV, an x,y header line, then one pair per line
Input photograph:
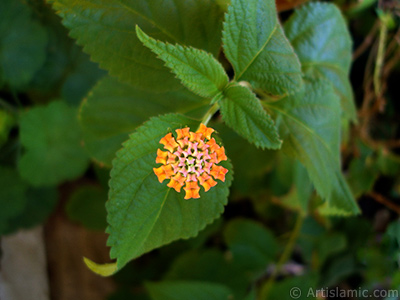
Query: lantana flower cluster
x,y
191,159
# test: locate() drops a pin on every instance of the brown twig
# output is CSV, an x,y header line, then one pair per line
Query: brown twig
x,y
367,41
395,41
379,198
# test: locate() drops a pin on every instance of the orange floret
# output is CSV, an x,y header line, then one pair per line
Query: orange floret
x,y
182,133
194,137
221,154
207,182
213,145
171,158
205,131
177,182
163,172
192,190
161,157
218,172
191,161
169,142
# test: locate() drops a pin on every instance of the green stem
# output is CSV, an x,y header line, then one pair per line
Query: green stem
x,y
379,58
207,117
265,289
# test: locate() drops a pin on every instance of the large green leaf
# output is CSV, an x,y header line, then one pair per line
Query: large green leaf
x,y
193,290
310,126
319,35
243,112
113,110
198,70
23,44
52,141
144,214
256,46
250,163
82,77
106,29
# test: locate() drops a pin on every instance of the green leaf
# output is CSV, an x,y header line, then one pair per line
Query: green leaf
x,y
252,295
303,186
251,244
12,196
113,110
39,204
52,141
243,112
87,207
106,29
388,163
198,70
363,171
330,244
101,269
58,56
310,126
193,290
338,269
250,163
83,76
23,44
144,214
319,35
299,287
21,205
6,123
256,46
208,265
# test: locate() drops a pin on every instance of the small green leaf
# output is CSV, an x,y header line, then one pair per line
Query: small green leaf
x,y
243,112
12,197
198,70
193,290
87,207
106,29
319,35
23,44
310,126
103,270
144,214
252,295
363,171
251,244
113,110
22,206
52,141
208,265
302,287
40,203
256,46
6,123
